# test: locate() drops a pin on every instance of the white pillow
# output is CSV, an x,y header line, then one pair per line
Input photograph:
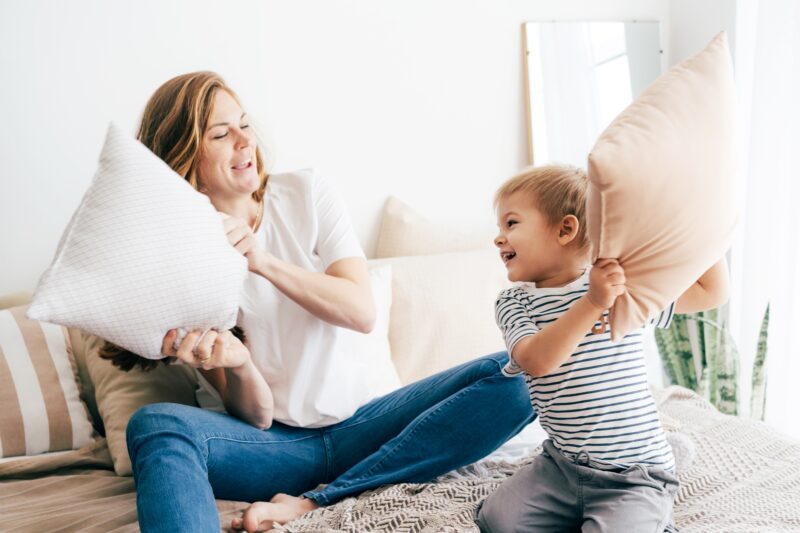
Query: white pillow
x,y
443,310
143,253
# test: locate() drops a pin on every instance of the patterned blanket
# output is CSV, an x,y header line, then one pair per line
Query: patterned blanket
x,y
741,476
736,475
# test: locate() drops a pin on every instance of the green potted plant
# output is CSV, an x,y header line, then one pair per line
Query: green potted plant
x,y
699,353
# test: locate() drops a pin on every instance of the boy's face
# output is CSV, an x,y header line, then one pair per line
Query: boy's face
x,y
528,243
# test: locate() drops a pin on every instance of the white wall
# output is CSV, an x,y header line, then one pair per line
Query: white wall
x,y
415,98
693,23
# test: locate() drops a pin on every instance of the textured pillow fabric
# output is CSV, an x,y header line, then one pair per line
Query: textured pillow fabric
x,y
39,394
405,232
120,394
661,193
143,253
443,310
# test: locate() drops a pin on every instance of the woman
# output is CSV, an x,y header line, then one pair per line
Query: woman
x,y
295,424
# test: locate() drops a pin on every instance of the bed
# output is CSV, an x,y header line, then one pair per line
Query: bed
x,y
736,474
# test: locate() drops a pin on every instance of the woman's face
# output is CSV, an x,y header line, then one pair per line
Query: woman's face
x,y
227,165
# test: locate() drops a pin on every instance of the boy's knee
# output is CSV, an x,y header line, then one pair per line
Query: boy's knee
x,y
491,519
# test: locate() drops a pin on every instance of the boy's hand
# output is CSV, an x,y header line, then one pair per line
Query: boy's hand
x,y
606,282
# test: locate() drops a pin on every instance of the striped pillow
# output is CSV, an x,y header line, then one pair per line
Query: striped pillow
x,y
40,406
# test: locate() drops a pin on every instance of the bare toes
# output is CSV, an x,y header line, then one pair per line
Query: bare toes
x,y
257,515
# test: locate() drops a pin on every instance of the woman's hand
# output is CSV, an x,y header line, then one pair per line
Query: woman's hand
x,y
606,282
241,236
216,349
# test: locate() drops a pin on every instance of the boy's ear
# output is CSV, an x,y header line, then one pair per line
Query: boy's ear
x,y
568,229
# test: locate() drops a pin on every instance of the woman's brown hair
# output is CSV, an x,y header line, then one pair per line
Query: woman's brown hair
x,y
175,118
172,127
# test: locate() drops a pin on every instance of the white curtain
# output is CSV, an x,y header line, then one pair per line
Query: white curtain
x,y
765,257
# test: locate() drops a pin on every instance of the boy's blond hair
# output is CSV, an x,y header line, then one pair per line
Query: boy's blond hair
x,y
556,190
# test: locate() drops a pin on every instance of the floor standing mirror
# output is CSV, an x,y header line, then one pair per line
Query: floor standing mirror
x,y
579,76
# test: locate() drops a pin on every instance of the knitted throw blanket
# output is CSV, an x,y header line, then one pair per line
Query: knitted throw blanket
x,y
736,475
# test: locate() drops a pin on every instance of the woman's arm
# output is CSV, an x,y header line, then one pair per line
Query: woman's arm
x,y
244,393
341,296
227,365
708,292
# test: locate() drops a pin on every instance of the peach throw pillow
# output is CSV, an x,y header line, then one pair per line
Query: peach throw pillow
x,y
661,193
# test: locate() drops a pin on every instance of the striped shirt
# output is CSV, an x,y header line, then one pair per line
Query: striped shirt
x,y
598,400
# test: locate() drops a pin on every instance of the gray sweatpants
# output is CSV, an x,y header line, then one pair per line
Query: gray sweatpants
x,y
555,493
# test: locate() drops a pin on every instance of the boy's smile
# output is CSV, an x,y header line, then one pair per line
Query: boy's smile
x,y
507,256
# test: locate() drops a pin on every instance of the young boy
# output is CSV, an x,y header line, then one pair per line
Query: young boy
x,y
606,465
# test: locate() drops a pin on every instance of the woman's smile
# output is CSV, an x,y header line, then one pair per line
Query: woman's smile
x,y
243,166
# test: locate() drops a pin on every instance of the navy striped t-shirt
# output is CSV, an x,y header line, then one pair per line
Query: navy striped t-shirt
x,y
598,400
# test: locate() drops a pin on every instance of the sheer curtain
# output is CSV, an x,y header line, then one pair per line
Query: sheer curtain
x,y
765,257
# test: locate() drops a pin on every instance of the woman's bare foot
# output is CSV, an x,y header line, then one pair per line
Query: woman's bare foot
x,y
282,508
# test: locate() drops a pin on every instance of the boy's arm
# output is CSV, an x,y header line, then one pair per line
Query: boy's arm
x,y
544,352
708,292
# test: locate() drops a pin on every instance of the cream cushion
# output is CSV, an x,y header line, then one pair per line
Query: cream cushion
x,y
143,253
662,184
120,394
443,310
39,391
405,232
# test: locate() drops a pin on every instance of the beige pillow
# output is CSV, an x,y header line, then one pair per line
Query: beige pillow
x,y
15,299
406,232
39,392
661,194
443,310
79,341
119,394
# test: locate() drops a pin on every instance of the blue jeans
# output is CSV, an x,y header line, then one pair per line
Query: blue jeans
x,y
184,457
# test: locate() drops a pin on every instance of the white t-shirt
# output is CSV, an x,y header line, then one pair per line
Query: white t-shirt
x,y
315,378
